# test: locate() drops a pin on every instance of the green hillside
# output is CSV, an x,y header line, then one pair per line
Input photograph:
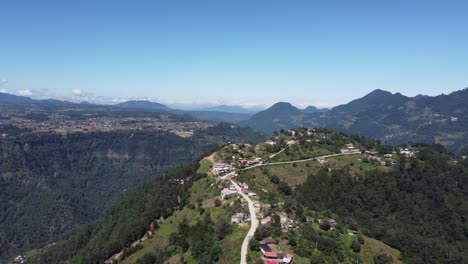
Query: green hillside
x,y
392,118
51,182
330,198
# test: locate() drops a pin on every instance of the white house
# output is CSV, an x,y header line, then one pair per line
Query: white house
x,y
238,218
225,192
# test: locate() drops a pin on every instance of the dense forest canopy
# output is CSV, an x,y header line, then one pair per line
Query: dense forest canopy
x,y
125,222
418,205
52,182
421,207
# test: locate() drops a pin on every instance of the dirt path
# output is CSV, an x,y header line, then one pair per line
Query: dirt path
x,y
211,157
277,153
297,161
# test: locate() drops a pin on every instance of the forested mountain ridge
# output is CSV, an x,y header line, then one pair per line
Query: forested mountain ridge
x,y
52,182
412,198
392,118
281,115
419,208
124,222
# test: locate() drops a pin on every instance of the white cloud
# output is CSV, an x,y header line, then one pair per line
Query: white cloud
x,y
25,92
3,91
119,100
3,81
77,92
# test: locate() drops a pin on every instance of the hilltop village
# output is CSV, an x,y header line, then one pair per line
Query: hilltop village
x,y
235,166
246,190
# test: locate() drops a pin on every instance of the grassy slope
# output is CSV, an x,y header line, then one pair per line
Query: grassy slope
x,y
160,239
202,192
298,173
231,245
205,165
374,247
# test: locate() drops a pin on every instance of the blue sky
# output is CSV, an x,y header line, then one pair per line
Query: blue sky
x,y
232,52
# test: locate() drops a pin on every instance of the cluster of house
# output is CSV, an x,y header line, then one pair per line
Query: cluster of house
x,y
222,168
239,218
243,163
442,118
271,253
232,189
245,189
286,223
373,155
407,152
232,175
349,148
292,133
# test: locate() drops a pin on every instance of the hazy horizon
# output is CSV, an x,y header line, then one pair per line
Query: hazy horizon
x,y
252,54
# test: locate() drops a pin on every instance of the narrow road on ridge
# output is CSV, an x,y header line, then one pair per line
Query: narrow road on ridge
x,y
253,224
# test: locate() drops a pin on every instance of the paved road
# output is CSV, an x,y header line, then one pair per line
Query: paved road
x,y
297,161
253,225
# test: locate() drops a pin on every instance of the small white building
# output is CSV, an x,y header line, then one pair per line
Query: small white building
x,y
349,148
225,192
238,218
408,153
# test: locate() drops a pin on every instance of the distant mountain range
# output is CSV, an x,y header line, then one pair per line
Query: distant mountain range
x,y
6,98
392,118
222,113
